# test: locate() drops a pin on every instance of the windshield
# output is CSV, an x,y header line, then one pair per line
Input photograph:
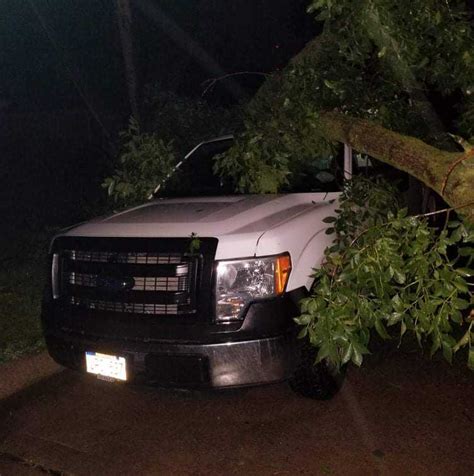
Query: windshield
x,y
195,176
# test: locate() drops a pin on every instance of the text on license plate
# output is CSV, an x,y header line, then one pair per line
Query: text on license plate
x,y
106,365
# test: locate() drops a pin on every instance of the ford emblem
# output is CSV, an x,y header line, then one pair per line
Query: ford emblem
x,y
115,283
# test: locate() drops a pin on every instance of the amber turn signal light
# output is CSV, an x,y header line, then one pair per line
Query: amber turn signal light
x,y
282,272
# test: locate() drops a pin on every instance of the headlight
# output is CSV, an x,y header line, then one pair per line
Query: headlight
x,y
241,281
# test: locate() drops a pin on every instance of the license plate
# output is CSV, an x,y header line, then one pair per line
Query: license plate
x,y
104,365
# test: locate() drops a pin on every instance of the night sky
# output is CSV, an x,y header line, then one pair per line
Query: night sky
x,y
54,52
61,64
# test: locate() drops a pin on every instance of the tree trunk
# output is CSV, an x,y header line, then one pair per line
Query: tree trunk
x,y
447,173
124,15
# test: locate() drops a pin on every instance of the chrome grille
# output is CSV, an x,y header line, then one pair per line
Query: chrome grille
x,y
122,257
129,282
125,307
142,283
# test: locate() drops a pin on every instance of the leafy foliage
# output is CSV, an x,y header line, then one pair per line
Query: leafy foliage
x,y
280,136
186,121
145,161
389,273
177,124
425,33
424,44
194,243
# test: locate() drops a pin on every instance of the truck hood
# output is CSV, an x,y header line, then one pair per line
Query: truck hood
x,y
241,220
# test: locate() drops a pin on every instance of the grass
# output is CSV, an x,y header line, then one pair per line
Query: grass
x,y
22,275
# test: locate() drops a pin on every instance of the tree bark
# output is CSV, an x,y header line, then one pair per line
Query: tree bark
x,y
447,173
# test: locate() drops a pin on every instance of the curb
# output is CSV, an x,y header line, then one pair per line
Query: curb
x,y
25,371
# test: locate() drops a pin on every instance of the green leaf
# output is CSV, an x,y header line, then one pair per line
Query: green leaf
x,y
453,223
456,316
364,339
380,328
467,272
303,333
422,64
464,340
312,306
357,357
448,353
461,303
400,277
329,84
111,187
347,353
358,349
323,352
461,285
470,358
435,345
418,337
456,235
398,303
303,320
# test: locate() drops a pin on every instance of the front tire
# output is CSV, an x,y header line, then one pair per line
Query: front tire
x,y
316,381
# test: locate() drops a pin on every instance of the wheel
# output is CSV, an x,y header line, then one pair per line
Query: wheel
x,y
317,381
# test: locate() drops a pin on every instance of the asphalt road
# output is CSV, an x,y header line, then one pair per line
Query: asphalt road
x,y
400,414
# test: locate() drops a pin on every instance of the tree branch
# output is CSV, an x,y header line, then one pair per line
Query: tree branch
x,y
210,83
425,162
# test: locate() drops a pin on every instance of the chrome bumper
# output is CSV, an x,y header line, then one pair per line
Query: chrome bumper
x,y
242,363
230,364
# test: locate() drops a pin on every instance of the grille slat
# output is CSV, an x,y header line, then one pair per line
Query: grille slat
x,y
142,270
126,307
142,283
122,257
159,297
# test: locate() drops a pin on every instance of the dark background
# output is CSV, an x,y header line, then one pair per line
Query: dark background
x,y
63,95
45,43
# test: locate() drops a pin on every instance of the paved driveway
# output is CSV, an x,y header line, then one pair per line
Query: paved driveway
x,y
400,414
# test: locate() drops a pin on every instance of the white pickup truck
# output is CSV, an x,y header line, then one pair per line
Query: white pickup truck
x,y
197,290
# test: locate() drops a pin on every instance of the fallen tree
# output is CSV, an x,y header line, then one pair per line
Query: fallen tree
x,y
366,81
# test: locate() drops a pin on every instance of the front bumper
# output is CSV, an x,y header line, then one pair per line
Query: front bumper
x,y
218,365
